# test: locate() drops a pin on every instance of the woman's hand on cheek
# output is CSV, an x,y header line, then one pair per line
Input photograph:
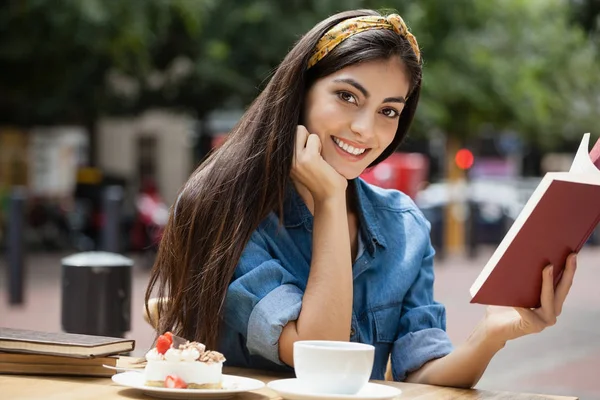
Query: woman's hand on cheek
x,y
506,323
311,170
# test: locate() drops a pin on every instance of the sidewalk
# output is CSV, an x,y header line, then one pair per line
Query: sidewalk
x,y
564,359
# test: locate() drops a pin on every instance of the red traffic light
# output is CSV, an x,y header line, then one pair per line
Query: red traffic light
x,y
464,159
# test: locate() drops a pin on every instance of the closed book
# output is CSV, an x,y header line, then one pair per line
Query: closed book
x,y
558,219
36,364
62,344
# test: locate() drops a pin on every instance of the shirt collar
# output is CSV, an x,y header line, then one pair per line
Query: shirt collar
x,y
296,214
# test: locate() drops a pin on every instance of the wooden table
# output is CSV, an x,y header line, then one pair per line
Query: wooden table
x,y
18,387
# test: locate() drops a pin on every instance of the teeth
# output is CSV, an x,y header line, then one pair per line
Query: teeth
x,y
347,148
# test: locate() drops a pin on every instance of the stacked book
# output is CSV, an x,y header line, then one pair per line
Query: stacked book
x,y
29,352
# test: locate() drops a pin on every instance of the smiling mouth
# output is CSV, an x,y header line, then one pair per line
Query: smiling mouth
x,y
355,151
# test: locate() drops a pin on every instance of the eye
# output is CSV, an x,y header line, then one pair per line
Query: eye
x,y
347,97
390,112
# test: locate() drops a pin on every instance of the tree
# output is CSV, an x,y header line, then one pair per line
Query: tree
x,y
56,56
499,64
503,63
74,60
231,57
587,13
506,65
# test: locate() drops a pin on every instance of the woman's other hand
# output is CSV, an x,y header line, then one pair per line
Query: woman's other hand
x,y
507,323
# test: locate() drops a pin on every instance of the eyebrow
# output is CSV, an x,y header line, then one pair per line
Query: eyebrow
x,y
365,92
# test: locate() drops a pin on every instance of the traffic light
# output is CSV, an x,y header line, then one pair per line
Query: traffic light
x,y
464,159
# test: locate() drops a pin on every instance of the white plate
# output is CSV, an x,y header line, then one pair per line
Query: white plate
x,y
231,386
291,389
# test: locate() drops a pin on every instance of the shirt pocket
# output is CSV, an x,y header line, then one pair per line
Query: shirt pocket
x,y
387,323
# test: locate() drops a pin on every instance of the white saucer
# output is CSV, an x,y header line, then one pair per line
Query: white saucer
x,y
292,389
231,386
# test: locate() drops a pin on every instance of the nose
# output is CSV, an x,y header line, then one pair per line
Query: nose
x,y
363,125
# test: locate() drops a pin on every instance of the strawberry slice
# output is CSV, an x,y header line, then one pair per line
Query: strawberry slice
x,y
163,343
175,382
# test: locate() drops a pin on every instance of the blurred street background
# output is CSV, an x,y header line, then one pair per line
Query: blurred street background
x,y
107,106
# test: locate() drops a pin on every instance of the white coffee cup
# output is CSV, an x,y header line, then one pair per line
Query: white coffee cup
x,y
331,367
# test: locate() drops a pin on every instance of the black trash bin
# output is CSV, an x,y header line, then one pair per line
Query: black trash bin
x,y
96,294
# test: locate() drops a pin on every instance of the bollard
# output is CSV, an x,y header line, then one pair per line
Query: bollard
x,y
435,215
96,294
111,207
473,230
15,245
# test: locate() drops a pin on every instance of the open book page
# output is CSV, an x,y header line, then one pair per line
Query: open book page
x,y
584,159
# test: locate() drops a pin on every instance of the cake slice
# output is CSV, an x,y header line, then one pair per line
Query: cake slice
x,y
183,365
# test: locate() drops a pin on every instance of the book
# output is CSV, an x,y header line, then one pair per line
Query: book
x,y
62,344
558,219
37,364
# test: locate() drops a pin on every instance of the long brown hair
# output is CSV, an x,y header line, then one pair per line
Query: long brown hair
x,y
239,184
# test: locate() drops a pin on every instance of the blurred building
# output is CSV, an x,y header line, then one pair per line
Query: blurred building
x,y
156,145
43,159
55,155
14,149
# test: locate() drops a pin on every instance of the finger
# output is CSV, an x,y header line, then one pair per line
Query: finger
x,y
564,286
547,297
313,144
301,137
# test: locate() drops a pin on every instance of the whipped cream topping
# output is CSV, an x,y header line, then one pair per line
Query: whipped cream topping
x,y
189,352
188,355
154,355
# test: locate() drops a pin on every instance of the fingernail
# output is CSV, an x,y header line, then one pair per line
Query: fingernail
x,y
551,270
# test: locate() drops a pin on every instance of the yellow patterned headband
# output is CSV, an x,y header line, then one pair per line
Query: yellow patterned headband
x,y
352,26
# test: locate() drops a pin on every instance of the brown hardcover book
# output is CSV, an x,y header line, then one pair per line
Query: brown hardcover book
x,y
58,369
36,364
558,219
24,358
62,344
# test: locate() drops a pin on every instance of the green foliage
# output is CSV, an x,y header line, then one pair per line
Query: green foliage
x,y
55,55
515,64
239,45
587,13
521,65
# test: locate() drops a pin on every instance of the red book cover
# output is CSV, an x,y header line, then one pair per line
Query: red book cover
x,y
558,219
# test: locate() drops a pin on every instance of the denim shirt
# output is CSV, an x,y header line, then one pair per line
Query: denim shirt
x,y
393,307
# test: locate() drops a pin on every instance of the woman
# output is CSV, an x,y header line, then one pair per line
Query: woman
x,y
274,239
